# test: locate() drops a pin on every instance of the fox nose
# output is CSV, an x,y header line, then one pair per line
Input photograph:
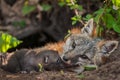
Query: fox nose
x,y
65,59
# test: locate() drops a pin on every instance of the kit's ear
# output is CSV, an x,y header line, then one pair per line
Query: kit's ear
x,y
108,47
88,28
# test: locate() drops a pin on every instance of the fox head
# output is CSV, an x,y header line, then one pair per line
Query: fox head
x,y
84,49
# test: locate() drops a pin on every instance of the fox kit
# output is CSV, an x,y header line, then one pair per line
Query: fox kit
x,y
27,61
84,49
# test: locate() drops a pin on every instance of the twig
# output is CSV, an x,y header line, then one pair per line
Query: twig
x,y
76,12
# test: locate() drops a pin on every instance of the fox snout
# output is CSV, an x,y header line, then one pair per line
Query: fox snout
x,y
66,60
67,57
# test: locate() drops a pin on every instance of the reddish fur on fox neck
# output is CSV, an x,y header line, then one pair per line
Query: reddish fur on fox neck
x,y
56,46
75,30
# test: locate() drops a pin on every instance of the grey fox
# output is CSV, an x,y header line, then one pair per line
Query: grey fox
x,y
84,48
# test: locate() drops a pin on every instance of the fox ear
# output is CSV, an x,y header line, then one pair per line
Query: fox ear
x,y
108,47
88,28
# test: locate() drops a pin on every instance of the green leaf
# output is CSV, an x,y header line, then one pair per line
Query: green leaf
x,y
96,19
74,6
40,67
116,3
80,7
5,47
99,30
99,12
81,76
28,9
69,33
14,42
68,1
21,23
74,18
74,22
61,4
108,10
116,28
46,7
7,42
90,67
109,20
88,17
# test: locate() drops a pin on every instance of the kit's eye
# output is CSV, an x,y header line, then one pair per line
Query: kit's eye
x,y
84,57
46,59
73,45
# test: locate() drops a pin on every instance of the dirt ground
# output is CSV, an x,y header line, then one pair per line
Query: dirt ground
x,y
108,71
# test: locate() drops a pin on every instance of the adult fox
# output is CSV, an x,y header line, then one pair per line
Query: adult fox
x,y
84,48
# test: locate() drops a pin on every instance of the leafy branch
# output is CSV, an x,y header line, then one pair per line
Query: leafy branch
x,y
107,17
7,41
73,5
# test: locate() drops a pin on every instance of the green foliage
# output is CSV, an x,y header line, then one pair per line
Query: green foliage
x,y
75,19
89,16
27,9
69,33
116,28
90,67
81,76
46,7
40,67
21,23
7,42
76,6
107,17
61,3
73,6
116,2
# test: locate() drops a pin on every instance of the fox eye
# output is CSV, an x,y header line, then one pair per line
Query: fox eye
x,y
73,45
46,59
84,57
